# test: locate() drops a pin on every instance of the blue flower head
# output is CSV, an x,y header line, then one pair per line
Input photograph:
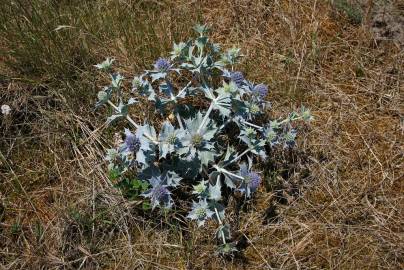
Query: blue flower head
x,y
132,142
251,180
260,90
159,193
162,64
237,77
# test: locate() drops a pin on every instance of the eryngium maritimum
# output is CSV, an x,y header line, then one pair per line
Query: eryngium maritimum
x,y
162,64
237,77
251,180
261,90
131,143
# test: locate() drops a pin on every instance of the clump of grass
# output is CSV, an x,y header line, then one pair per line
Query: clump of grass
x,y
54,42
352,11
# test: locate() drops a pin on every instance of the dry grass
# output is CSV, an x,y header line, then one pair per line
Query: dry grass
x,y
340,206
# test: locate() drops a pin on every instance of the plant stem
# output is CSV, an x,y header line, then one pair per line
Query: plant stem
x,y
223,170
225,123
205,119
148,136
220,221
179,120
221,224
183,89
237,158
127,117
252,125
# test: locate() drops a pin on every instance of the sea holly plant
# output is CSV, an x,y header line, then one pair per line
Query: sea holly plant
x,y
199,99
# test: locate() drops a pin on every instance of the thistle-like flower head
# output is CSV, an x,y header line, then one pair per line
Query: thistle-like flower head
x,y
289,138
260,90
200,212
178,49
162,64
198,135
200,189
270,135
306,114
159,193
251,180
254,108
237,77
170,139
132,142
106,65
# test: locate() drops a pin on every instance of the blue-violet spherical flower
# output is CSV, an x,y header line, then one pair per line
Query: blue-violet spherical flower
x,y
162,64
261,90
131,143
237,77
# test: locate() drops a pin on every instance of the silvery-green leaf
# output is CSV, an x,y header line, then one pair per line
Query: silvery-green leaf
x,y
230,154
188,66
158,75
147,90
201,42
112,154
106,65
292,116
123,108
146,157
178,50
102,95
208,92
132,101
201,29
219,208
114,118
215,192
223,104
223,231
215,47
230,181
226,249
206,156
116,80
275,124
173,179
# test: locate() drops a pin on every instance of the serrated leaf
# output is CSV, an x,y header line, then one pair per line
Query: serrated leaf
x,y
223,231
116,80
158,75
201,42
132,101
114,118
215,192
106,65
206,156
223,104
